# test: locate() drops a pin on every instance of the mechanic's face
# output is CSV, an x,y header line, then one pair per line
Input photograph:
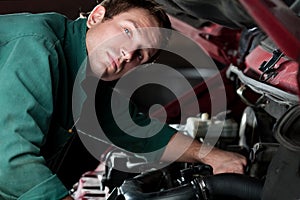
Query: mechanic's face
x,y
116,45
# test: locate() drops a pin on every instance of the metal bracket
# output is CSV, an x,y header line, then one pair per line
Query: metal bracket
x,y
240,92
267,67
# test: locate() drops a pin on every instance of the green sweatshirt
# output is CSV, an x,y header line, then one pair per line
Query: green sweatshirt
x,y
40,55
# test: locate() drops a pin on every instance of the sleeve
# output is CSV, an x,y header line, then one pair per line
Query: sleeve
x,y
26,107
151,136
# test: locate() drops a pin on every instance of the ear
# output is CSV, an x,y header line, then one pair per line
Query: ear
x,y
95,16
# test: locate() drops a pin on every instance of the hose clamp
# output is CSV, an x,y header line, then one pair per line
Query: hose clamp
x,y
204,189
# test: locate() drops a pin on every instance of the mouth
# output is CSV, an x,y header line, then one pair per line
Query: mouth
x,y
113,63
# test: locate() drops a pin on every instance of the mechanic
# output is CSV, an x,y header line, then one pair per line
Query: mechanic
x,y
40,55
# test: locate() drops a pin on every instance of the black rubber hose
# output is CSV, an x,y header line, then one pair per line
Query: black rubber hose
x,y
221,186
185,192
233,186
143,186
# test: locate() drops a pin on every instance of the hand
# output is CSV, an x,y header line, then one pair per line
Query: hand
x,y
185,149
225,162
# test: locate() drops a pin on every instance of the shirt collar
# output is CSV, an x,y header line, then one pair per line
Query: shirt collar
x,y
76,57
75,45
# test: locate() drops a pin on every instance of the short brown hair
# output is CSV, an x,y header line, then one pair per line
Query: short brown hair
x,y
115,7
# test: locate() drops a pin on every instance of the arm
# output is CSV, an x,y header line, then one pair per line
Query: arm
x,y
185,149
178,146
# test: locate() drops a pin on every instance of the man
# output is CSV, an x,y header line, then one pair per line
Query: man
x,y
40,56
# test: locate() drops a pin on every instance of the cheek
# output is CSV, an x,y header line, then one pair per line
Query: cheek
x,y
131,65
126,69
111,77
97,65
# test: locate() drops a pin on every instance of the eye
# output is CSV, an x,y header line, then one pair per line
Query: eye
x,y
127,32
139,55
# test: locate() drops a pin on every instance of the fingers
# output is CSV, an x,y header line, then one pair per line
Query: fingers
x,y
232,167
242,159
235,164
226,162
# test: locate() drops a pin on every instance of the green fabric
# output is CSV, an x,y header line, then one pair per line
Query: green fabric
x,y
39,58
150,142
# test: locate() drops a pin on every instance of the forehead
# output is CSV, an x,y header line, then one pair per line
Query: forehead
x,y
145,25
141,16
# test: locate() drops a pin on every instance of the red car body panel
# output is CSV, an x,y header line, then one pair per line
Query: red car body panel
x,y
221,43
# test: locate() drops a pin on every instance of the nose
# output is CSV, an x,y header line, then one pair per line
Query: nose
x,y
126,55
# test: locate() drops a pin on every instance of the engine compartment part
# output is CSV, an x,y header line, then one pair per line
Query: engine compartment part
x,y
198,127
283,174
269,91
283,179
201,187
287,129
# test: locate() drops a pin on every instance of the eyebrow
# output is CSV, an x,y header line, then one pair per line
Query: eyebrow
x,y
135,24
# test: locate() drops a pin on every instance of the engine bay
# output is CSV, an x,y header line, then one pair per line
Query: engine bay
x,y
261,122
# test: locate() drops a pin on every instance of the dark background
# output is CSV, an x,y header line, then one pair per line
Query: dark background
x,y
70,8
